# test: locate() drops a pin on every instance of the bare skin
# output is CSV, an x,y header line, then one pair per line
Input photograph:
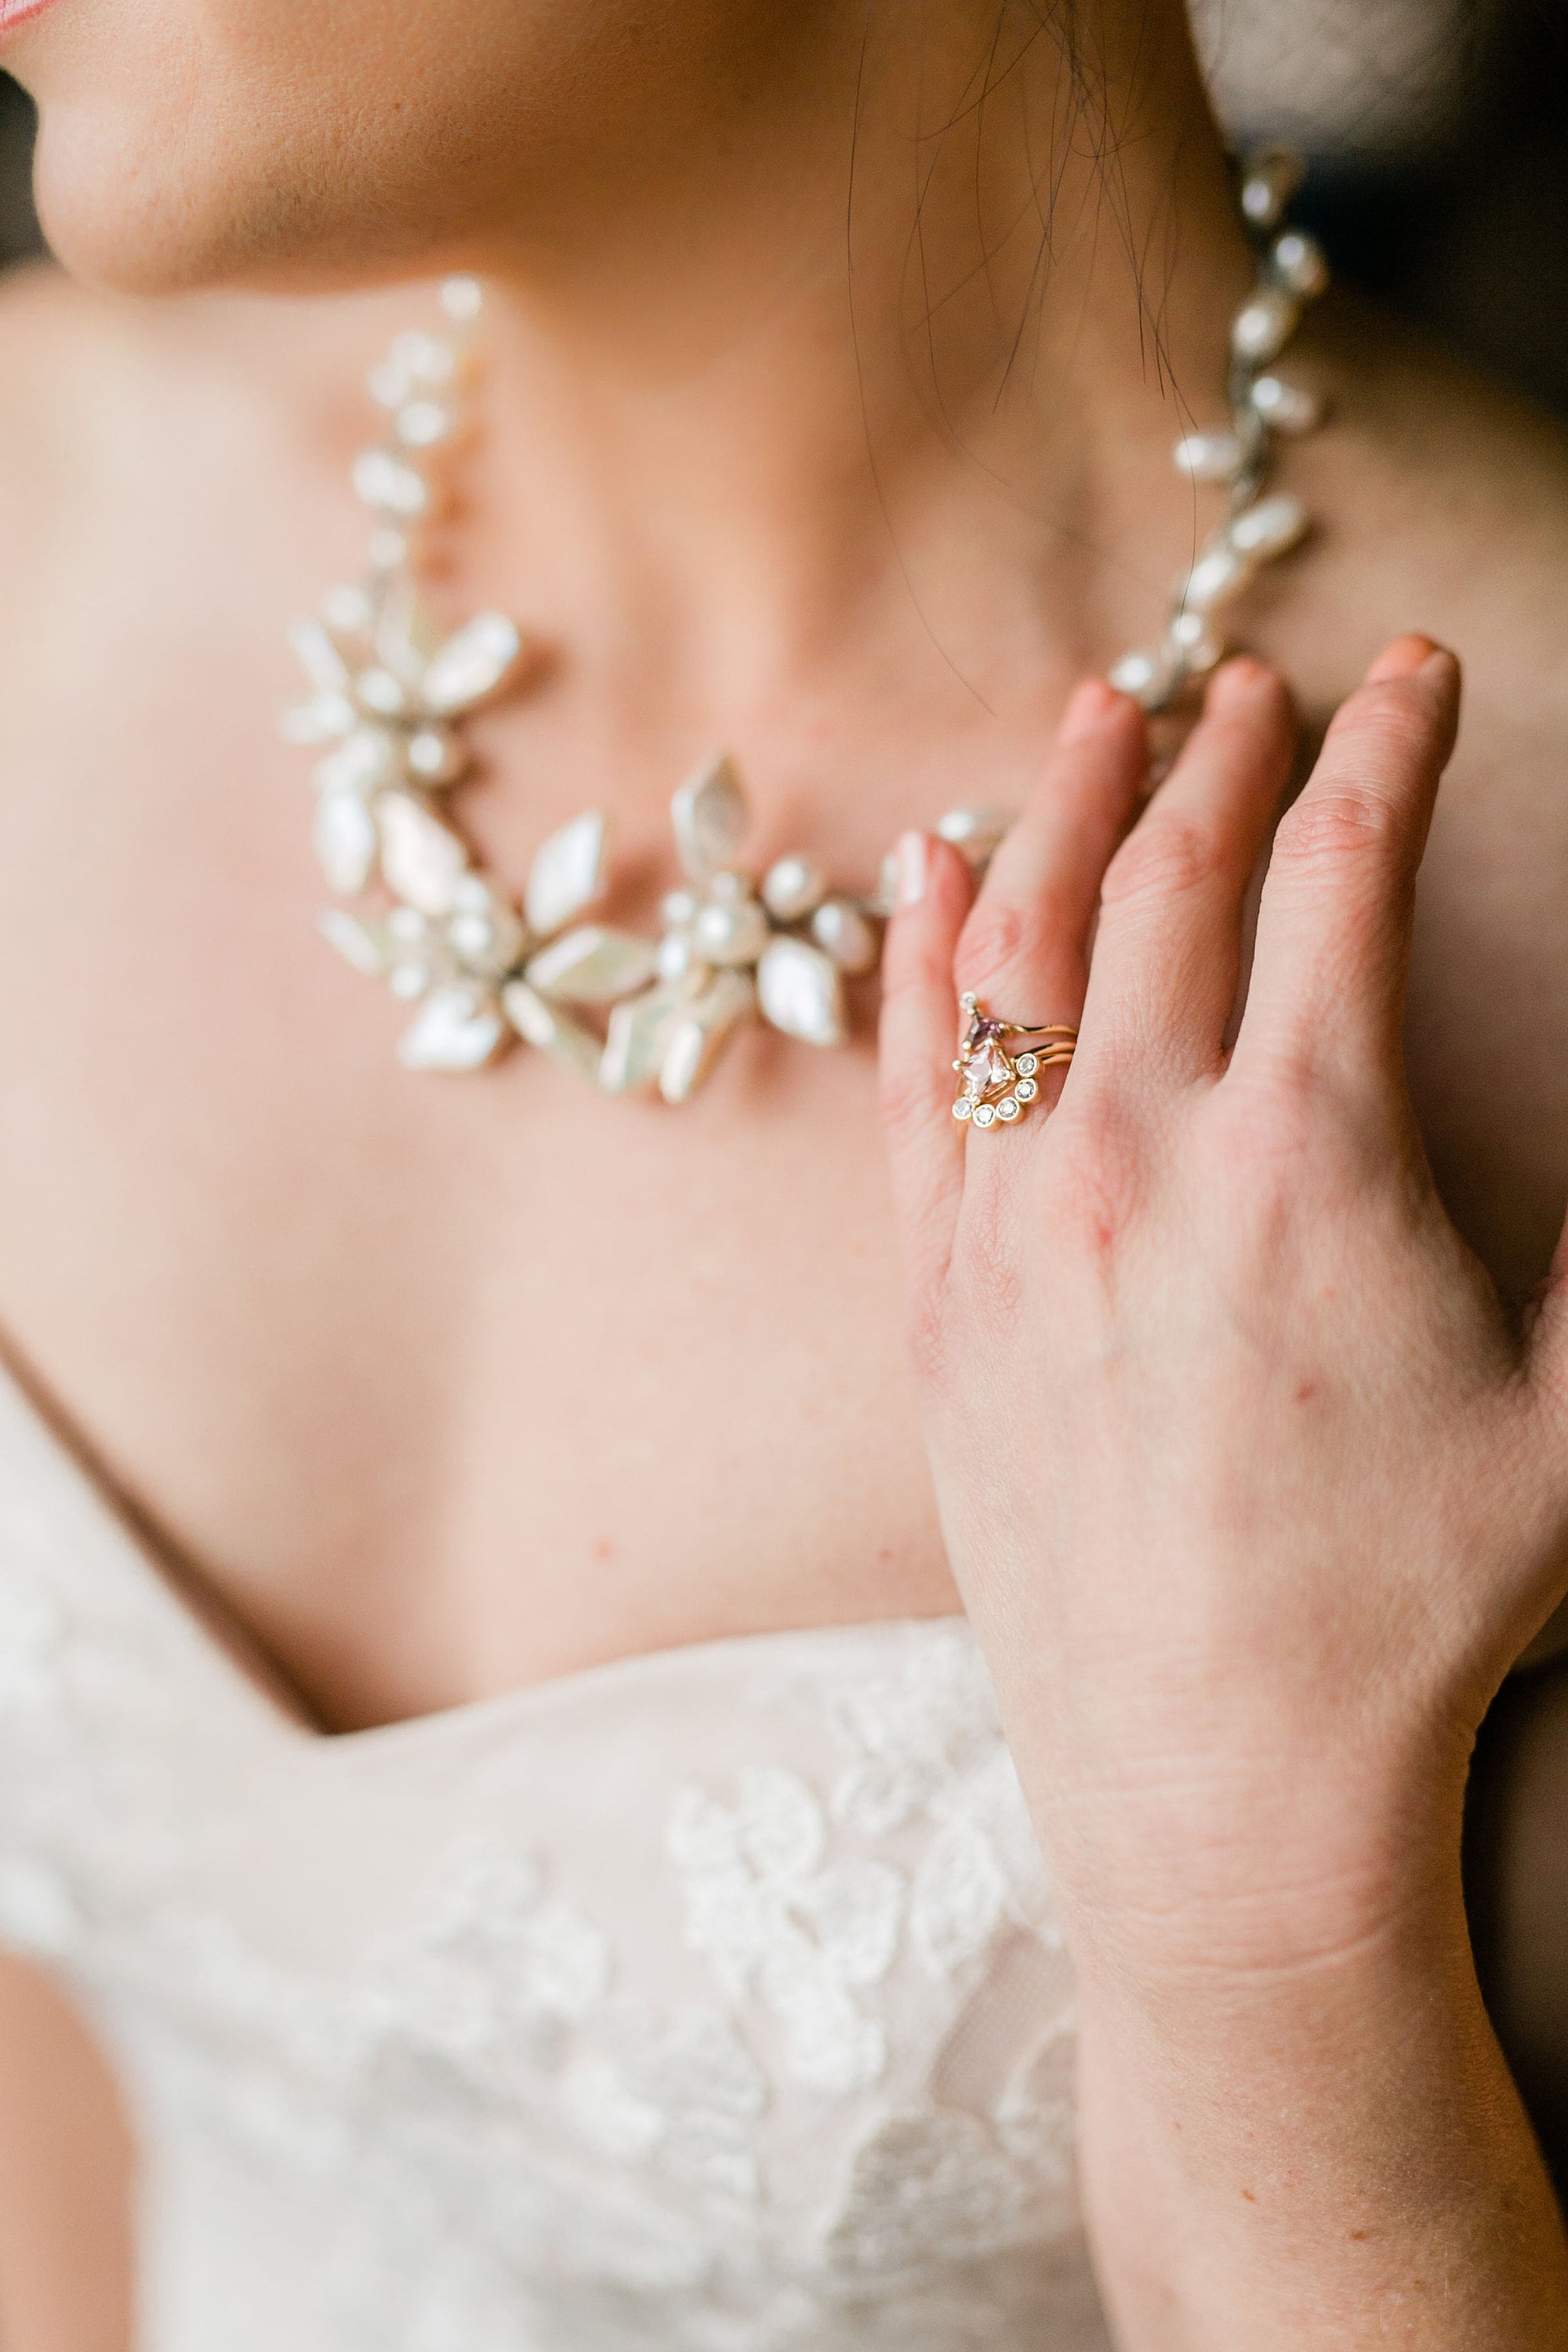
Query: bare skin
x,y
388,1366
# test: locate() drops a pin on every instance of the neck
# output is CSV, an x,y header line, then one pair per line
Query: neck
x,y
882,365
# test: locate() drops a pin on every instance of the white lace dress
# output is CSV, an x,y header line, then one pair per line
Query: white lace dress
x,y
709,2002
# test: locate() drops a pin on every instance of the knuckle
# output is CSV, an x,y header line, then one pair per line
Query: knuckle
x,y
1343,827
992,940
1166,857
1391,725
1097,1181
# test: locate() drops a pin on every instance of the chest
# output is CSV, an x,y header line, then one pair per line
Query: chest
x,y
447,1383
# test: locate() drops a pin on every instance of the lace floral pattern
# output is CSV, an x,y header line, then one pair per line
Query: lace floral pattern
x,y
770,2055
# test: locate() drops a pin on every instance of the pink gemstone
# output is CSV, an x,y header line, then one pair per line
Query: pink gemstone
x,y
987,1068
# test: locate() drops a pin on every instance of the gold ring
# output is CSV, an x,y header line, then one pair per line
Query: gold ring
x,y
996,1086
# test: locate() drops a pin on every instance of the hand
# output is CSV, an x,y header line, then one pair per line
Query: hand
x,y
1253,1493
1251,1488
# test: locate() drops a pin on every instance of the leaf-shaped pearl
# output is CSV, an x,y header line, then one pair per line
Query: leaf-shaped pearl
x,y
638,1032
455,1028
699,1032
363,945
471,664
710,816
321,721
802,993
344,836
421,859
793,888
406,637
593,965
390,484
567,874
323,663
363,762
553,1032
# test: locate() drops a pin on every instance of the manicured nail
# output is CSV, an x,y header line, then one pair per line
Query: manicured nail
x,y
913,856
1089,705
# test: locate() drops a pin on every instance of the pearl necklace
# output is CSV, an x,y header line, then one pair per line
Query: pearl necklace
x,y
390,692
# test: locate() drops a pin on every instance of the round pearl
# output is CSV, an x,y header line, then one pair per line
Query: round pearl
x,y
1299,262
1208,457
731,934
1286,407
793,888
434,755
1265,324
379,691
842,932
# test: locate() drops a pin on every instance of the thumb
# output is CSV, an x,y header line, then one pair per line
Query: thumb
x,y
918,1032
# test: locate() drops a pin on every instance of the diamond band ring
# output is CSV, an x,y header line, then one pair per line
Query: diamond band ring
x,y
997,1085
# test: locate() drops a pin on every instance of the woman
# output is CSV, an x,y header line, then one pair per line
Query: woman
x,y
512,1777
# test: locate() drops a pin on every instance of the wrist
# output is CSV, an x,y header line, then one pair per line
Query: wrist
x,y
1251,1868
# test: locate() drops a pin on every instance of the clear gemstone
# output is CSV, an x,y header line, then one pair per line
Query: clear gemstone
x,y
963,1107
1026,1065
567,874
1025,1090
984,1114
1007,1108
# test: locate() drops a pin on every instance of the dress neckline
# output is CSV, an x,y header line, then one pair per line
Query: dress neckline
x,y
234,1659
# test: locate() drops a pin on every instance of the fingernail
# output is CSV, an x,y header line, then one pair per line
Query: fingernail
x,y
1089,705
913,856
1236,680
1441,670
1406,657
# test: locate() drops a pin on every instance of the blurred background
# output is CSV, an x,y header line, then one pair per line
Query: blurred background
x,y
1438,134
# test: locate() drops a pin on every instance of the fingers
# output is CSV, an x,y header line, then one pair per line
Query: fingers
x,y
1334,933
1167,955
1023,949
919,1027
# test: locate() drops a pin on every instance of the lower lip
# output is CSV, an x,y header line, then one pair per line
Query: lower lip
x,y
20,12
